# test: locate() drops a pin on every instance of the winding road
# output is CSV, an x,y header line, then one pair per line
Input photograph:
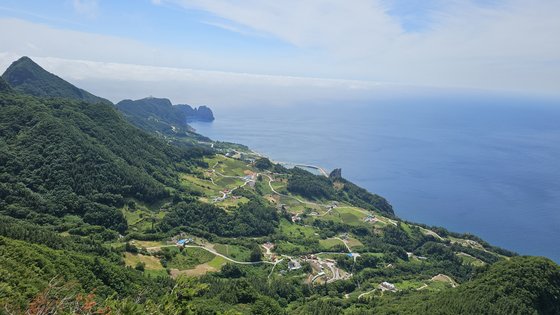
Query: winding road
x,y
217,254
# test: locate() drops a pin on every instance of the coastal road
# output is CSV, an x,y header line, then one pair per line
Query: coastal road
x,y
270,180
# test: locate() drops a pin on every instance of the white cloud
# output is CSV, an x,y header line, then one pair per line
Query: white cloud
x,y
509,44
118,81
88,8
333,24
43,41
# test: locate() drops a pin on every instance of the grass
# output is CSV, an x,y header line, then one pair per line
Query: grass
x,y
228,166
156,273
203,186
437,285
217,262
279,187
236,252
331,243
353,242
140,219
406,228
293,230
230,202
350,218
349,215
146,243
227,182
285,247
470,260
190,258
331,256
151,262
409,285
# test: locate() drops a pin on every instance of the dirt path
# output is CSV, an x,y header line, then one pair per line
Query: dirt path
x,y
422,287
366,293
445,278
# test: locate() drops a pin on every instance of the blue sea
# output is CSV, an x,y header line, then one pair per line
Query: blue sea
x,y
485,164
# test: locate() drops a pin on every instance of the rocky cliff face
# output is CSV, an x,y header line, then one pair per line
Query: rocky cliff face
x,y
336,173
160,115
202,113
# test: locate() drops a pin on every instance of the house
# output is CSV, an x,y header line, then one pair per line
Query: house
x,y
387,286
294,265
183,242
296,218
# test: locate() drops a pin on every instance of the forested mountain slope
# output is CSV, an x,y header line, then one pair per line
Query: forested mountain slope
x,y
26,76
100,217
60,156
159,115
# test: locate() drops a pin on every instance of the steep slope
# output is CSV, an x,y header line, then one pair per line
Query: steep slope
x,y
61,157
4,86
68,168
521,285
202,113
159,115
25,76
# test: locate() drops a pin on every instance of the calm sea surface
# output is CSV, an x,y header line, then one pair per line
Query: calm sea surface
x,y
485,165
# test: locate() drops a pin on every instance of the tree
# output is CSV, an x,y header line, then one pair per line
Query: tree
x,y
256,253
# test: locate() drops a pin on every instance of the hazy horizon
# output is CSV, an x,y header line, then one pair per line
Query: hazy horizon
x,y
263,52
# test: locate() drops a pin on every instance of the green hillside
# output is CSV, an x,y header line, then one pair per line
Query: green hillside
x,y
159,115
26,76
62,157
98,216
4,86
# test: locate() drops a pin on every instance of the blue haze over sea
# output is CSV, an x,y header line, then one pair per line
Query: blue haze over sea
x,y
486,165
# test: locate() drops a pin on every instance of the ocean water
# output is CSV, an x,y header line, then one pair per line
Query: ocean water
x,y
486,165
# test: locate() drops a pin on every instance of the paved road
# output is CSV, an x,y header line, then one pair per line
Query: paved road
x,y
345,244
217,254
270,180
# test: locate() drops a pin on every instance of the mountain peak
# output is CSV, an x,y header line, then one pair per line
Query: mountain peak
x,y
26,76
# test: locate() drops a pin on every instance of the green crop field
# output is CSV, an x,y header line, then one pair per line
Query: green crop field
x,y
151,263
217,262
190,258
294,230
331,243
236,252
409,285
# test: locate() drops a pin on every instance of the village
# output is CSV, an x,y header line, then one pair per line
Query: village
x,y
222,184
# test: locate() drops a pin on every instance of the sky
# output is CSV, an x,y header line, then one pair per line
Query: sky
x,y
236,52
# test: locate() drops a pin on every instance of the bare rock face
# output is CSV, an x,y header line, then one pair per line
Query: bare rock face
x,y
336,173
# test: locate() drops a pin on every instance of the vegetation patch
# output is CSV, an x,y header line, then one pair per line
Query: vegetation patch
x,y
235,252
149,262
189,258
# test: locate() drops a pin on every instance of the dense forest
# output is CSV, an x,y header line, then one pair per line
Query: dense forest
x,y
99,216
62,157
159,115
28,77
335,188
